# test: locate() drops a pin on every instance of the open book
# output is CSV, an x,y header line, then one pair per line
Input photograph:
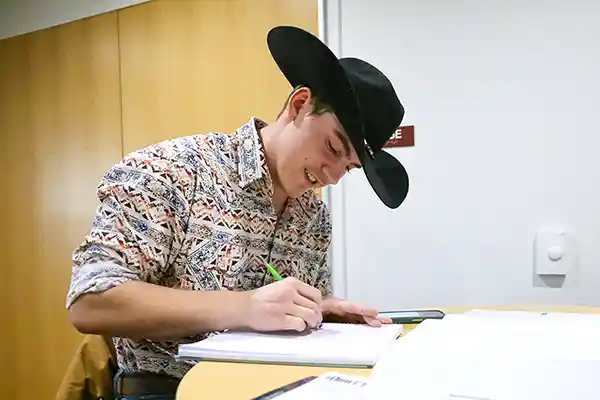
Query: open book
x,y
333,345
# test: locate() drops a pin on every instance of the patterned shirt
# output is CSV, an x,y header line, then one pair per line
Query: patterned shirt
x,y
196,213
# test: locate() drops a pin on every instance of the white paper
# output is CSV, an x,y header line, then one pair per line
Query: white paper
x,y
537,317
478,356
333,343
330,386
419,364
527,378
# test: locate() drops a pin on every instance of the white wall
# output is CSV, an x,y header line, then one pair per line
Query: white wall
x,y
505,97
23,16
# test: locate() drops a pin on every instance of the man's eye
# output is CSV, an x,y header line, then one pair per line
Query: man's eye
x,y
331,148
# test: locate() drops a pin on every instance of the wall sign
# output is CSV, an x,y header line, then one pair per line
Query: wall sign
x,y
404,136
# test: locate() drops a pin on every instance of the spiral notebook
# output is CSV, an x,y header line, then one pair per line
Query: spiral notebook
x,y
334,344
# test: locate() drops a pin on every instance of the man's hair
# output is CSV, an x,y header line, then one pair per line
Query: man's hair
x,y
319,107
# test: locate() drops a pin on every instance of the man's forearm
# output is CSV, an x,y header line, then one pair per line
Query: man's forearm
x,y
143,310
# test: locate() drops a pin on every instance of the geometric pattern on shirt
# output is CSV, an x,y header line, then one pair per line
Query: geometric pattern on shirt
x,y
196,213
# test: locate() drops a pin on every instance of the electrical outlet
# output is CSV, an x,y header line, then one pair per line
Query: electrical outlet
x,y
551,252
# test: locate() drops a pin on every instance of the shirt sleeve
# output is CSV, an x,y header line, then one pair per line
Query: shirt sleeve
x,y
140,224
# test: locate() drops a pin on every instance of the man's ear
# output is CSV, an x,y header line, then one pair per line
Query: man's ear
x,y
300,103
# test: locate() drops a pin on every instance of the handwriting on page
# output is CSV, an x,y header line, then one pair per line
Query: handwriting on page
x,y
330,386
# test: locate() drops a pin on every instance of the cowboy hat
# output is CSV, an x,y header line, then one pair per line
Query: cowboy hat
x,y
361,96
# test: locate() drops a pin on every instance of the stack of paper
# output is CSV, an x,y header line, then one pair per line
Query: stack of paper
x,y
333,344
329,386
493,355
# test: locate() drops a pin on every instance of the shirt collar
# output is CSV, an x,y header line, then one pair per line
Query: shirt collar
x,y
252,162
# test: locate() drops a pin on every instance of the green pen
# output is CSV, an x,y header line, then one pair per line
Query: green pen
x,y
273,272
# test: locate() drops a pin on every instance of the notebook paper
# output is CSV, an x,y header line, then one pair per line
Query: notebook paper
x,y
333,344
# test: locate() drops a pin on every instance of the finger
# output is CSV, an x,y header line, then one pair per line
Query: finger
x,y
385,320
309,292
291,322
370,312
367,312
373,321
355,308
306,302
311,317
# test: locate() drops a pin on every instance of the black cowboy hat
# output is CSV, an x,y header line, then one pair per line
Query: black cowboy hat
x,y
361,96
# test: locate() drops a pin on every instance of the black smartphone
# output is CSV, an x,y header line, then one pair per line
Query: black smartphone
x,y
412,316
286,388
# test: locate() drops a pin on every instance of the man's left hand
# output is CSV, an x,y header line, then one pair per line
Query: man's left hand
x,y
339,310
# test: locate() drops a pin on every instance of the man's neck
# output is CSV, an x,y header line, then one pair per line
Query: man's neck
x,y
279,195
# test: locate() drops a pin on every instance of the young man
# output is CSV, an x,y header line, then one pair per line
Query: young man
x,y
180,241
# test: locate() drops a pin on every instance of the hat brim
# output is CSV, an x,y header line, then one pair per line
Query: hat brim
x,y
305,60
387,177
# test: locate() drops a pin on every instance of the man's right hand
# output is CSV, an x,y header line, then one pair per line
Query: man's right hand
x,y
289,304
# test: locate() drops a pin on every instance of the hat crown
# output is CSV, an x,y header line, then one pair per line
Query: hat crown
x,y
381,110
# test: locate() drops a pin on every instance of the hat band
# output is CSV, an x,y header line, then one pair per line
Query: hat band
x,y
369,150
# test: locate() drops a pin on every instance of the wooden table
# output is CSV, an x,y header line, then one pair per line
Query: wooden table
x,y
221,380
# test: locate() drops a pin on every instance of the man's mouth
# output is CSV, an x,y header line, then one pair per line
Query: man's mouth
x,y
311,178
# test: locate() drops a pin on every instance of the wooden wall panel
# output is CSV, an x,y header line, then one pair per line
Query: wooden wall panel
x,y
192,66
60,123
175,67
13,54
